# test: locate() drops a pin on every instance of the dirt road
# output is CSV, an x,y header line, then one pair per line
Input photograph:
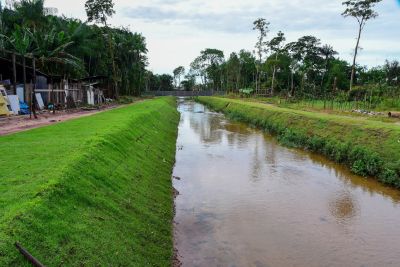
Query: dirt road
x,y
14,124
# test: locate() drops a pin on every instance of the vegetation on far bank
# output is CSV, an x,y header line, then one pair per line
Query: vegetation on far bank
x,y
369,148
95,190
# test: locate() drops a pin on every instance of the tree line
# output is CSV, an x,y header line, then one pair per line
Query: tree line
x,y
298,69
76,49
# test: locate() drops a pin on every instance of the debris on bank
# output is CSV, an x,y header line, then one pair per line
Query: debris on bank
x,y
367,112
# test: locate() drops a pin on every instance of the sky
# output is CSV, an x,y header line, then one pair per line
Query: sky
x,y
177,30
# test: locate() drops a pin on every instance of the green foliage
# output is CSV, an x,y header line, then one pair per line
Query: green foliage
x,y
246,91
74,49
360,9
157,82
390,177
364,161
99,10
102,195
126,99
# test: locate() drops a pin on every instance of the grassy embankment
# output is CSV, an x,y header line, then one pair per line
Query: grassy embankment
x,y
345,108
369,148
95,191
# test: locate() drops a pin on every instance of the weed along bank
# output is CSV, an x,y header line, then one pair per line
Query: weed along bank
x,y
90,191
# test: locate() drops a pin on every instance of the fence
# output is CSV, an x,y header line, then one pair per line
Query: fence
x,y
184,93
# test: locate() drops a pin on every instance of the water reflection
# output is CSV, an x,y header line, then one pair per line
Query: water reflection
x,y
247,201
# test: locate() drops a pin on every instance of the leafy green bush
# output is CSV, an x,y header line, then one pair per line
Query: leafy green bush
x,y
126,100
390,177
246,91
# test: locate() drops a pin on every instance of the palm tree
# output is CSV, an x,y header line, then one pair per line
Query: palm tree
x,y
327,52
32,12
50,49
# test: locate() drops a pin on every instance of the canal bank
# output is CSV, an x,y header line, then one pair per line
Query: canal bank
x,y
245,200
94,191
368,148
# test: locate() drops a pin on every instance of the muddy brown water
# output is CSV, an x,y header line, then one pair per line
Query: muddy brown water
x,y
245,200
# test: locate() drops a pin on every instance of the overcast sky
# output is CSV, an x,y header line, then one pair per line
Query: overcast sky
x,y
177,30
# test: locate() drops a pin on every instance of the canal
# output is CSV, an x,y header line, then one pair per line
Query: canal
x,y
245,200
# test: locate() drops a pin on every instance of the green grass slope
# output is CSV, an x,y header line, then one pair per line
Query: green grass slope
x,y
95,191
369,148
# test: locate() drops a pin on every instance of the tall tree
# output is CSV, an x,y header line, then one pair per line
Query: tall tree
x,y
233,68
32,12
198,69
307,60
99,11
2,32
213,58
327,52
262,26
178,73
276,46
362,11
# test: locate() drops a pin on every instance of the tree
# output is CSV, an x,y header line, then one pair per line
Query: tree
x,y
392,71
306,60
233,68
198,69
189,82
166,82
1,27
327,52
362,11
70,48
262,26
212,59
178,72
99,10
276,46
32,12
248,68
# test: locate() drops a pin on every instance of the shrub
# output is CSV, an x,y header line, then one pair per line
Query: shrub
x,y
364,162
390,177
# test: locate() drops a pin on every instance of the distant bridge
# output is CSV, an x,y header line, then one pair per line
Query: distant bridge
x,y
184,93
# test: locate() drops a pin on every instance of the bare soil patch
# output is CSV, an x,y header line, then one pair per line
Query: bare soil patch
x,y
14,124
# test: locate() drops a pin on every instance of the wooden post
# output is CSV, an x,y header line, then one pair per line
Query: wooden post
x,y
33,96
24,74
28,256
14,63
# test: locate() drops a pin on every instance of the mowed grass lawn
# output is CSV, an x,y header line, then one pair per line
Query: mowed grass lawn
x,y
94,191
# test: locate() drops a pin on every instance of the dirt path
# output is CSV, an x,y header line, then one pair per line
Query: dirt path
x,y
14,124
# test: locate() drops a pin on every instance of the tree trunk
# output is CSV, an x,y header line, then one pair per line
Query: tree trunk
x,y
14,63
273,76
113,64
292,83
33,96
353,68
24,73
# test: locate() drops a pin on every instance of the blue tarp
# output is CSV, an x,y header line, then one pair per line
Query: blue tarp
x,y
24,108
